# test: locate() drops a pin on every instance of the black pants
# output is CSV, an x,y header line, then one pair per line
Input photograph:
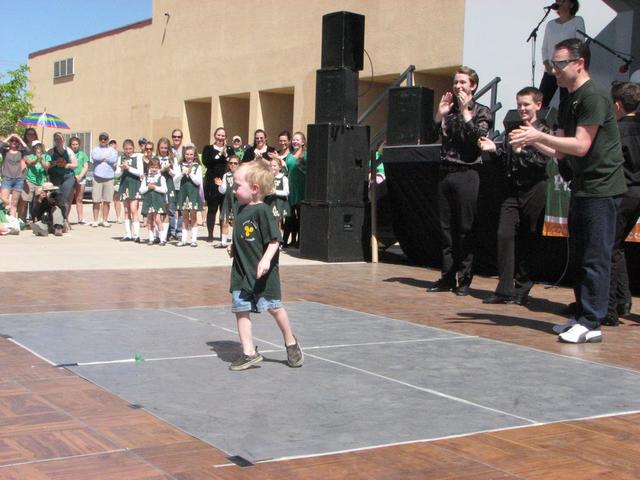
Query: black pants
x,y
548,87
214,203
457,206
626,218
520,215
592,224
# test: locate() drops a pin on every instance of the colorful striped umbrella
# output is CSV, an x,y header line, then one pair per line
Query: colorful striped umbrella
x,y
43,119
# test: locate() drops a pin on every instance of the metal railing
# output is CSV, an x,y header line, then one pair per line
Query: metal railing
x,y
493,86
406,75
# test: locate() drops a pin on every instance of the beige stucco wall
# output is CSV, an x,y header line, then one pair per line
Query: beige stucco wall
x,y
137,82
109,90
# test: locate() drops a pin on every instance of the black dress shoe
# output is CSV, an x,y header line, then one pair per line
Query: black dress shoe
x,y
462,291
521,299
624,309
440,286
496,299
611,320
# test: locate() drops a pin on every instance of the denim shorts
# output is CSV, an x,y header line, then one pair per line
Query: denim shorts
x,y
245,302
16,184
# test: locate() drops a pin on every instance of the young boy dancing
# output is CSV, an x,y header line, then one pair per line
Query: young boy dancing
x,y
255,281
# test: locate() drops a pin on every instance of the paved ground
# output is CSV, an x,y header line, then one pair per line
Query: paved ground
x,y
88,248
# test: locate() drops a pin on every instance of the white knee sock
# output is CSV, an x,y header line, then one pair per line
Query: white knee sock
x,y
223,239
152,237
127,228
165,231
183,236
136,229
194,234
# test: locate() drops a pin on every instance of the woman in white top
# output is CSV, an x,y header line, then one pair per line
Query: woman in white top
x,y
563,27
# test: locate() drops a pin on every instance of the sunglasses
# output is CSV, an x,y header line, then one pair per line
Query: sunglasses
x,y
233,163
176,136
562,64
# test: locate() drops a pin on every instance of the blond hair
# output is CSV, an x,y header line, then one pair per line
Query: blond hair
x,y
258,173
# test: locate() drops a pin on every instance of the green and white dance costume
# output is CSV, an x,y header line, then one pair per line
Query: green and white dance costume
x,y
188,181
154,201
169,169
278,200
229,203
130,188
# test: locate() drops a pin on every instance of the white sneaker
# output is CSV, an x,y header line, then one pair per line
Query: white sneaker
x,y
565,326
106,224
93,224
581,334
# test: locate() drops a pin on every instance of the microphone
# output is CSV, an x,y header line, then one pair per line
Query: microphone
x,y
553,6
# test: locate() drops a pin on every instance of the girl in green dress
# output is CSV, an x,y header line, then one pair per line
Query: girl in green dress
x,y
154,191
129,168
188,181
229,204
168,169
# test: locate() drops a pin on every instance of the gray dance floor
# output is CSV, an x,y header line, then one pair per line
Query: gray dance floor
x,y
367,380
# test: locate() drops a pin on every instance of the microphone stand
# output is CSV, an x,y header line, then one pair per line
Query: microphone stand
x,y
534,35
627,61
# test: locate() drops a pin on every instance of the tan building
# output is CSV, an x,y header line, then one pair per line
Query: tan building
x,y
245,64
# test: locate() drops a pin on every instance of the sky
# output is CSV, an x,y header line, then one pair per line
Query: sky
x,y
33,25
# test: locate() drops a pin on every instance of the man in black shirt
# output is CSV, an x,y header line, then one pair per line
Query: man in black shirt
x,y
626,100
462,123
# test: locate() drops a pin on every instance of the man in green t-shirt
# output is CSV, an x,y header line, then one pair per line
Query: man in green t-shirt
x,y
590,143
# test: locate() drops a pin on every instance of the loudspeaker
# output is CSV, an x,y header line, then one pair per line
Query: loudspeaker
x,y
342,40
410,116
332,233
337,96
337,162
548,115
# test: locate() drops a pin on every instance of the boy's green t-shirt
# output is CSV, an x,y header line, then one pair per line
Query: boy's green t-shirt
x,y
36,173
254,228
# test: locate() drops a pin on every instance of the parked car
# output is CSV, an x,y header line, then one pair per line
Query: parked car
x,y
88,184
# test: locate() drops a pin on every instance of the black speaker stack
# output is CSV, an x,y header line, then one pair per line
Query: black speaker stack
x,y
332,216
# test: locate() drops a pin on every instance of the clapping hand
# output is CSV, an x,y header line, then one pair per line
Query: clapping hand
x,y
486,144
446,103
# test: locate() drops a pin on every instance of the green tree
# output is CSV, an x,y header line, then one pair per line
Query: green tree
x,y
14,98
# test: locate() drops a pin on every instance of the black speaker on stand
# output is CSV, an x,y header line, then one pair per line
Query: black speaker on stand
x,y
410,116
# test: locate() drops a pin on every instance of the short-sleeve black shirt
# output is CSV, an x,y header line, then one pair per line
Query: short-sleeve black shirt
x,y
599,173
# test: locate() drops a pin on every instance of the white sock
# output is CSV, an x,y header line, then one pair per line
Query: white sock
x,y
194,234
165,231
136,229
152,237
223,239
183,235
127,228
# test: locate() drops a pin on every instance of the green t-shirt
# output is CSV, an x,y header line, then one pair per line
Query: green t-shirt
x,y
239,152
36,173
599,173
82,159
254,227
